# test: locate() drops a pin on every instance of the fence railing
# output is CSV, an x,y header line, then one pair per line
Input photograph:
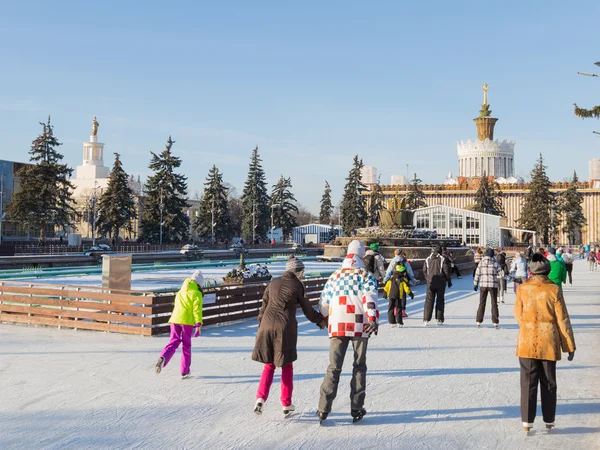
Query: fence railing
x,y
134,312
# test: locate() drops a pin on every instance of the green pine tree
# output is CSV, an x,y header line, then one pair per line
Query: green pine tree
x,y
283,206
214,209
415,198
255,201
570,208
117,205
376,205
326,205
166,192
354,213
44,199
488,198
537,204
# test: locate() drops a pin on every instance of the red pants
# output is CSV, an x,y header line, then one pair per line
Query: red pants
x,y
287,383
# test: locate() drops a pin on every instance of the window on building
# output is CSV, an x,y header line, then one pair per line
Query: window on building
x,y
472,239
439,220
423,221
472,223
456,221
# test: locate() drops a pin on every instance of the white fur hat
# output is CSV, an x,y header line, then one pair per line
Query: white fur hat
x,y
198,278
356,248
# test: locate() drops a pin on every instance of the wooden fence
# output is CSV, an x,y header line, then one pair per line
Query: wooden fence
x,y
134,312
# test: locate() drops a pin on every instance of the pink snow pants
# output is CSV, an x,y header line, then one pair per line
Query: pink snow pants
x,y
180,334
287,383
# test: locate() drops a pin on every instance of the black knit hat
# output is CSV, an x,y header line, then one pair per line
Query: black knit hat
x,y
489,252
539,265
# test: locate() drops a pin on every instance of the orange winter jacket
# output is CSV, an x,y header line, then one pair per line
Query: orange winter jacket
x,y
544,324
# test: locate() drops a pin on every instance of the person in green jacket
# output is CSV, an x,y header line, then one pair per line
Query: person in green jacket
x,y
187,314
558,270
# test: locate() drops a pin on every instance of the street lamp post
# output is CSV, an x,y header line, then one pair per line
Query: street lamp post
x,y
1,202
587,74
161,207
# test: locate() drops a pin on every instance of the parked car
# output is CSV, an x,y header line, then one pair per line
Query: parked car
x,y
238,248
192,251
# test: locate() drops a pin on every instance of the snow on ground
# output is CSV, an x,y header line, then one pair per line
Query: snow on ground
x,y
171,278
448,387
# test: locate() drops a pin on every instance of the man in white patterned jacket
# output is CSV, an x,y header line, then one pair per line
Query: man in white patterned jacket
x,y
349,301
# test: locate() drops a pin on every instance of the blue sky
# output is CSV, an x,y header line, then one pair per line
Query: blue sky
x,y
312,83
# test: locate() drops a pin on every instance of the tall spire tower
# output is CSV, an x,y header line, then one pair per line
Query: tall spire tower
x,y
485,123
486,155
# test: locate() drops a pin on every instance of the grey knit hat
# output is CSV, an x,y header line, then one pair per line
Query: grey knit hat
x,y
293,264
552,250
539,265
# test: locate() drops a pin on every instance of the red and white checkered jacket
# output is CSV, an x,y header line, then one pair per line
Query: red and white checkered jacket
x,y
349,299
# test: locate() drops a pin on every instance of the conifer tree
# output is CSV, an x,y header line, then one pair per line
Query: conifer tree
x,y
415,198
326,205
283,206
165,191
214,209
376,205
45,195
570,208
117,205
537,204
354,214
488,198
255,201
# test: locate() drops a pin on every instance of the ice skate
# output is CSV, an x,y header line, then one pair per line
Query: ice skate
x,y
527,427
440,322
400,325
288,410
496,326
357,414
258,407
478,324
322,416
425,323
549,427
159,365
185,376
404,315
394,325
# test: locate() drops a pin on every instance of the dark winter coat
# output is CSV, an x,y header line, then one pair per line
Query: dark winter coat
x,y
435,271
277,326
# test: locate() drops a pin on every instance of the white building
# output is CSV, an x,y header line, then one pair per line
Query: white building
x,y
473,228
315,233
369,175
486,155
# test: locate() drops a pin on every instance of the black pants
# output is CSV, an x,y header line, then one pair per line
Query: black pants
x,y
475,268
482,301
534,371
434,293
455,270
570,272
395,316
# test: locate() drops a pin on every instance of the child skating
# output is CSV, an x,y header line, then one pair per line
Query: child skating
x,y
187,314
397,291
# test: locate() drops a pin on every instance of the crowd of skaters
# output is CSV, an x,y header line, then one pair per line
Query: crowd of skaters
x,y
348,310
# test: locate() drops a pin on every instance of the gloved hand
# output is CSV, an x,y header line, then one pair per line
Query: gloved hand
x,y
198,326
371,327
475,288
323,323
449,284
412,296
571,356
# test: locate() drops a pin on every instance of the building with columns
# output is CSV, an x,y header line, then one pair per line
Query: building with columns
x,y
496,160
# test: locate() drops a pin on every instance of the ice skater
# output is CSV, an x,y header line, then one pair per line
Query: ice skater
x,y
277,334
544,330
435,272
397,289
349,299
186,315
486,277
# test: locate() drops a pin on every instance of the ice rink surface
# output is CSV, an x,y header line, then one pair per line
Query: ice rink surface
x,y
438,387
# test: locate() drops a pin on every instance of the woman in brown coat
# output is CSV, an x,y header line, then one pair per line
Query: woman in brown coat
x,y
278,332
544,330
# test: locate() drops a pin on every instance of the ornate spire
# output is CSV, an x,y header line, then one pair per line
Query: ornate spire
x,y
485,123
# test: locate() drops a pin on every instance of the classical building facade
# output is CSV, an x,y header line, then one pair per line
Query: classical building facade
x,y
496,160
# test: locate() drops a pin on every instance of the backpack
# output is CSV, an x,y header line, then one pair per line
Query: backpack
x,y
369,262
